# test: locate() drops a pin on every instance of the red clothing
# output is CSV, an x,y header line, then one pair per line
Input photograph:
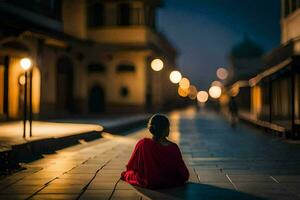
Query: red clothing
x,y
153,165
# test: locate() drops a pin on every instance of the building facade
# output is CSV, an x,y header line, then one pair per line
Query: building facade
x,y
89,56
274,89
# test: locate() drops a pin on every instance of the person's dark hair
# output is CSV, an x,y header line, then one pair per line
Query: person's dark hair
x,y
158,125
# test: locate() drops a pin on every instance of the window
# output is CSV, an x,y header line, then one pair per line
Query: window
x,y
125,68
124,14
294,5
150,16
96,68
137,16
124,92
95,15
287,7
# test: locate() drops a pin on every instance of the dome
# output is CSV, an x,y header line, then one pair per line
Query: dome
x,y
246,49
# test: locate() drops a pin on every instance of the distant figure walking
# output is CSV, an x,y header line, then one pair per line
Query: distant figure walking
x,y
156,162
233,109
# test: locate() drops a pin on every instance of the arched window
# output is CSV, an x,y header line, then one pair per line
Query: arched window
x,y
96,68
95,14
124,14
125,68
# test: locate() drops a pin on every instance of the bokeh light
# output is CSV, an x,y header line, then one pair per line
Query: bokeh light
x,y
184,83
215,91
183,92
157,64
202,96
192,92
216,83
234,91
175,76
222,73
25,63
22,80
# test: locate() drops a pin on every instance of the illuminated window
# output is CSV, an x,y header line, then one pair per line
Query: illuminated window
x,y
95,15
96,68
125,68
124,14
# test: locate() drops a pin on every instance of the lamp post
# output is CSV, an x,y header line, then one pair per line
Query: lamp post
x,y
25,64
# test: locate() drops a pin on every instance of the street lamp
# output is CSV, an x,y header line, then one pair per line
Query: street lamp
x,y
26,65
222,73
202,96
184,83
175,76
157,64
215,91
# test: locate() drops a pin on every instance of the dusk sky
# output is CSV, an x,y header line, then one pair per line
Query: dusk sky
x,y
204,31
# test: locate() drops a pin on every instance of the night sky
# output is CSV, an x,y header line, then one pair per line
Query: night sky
x,y
204,31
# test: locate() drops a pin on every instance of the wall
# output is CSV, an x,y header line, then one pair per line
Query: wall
x,y
74,18
290,27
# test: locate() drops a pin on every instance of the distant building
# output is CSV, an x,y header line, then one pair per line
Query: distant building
x,y
245,61
274,87
89,56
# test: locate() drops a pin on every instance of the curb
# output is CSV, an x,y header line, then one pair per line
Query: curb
x,y
126,126
32,150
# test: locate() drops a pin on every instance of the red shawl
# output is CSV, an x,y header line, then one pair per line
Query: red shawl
x,y
153,165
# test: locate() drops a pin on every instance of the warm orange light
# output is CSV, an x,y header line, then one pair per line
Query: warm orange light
x,y
22,80
216,83
222,73
25,63
192,92
215,91
157,64
234,91
183,92
175,76
202,96
184,83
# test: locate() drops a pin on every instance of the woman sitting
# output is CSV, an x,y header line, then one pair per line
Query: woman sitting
x,y
156,162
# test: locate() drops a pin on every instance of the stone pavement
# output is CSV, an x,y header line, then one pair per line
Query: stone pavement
x,y
223,163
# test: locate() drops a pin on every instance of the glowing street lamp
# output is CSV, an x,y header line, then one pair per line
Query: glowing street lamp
x,y
222,73
175,76
184,83
202,96
215,91
157,64
192,92
216,83
25,65
183,92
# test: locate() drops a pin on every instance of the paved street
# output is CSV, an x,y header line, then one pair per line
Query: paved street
x,y
224,163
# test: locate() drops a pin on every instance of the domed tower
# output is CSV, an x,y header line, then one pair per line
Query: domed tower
x,y
245,58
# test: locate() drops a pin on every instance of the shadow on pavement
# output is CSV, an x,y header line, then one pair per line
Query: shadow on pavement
x,y
196,191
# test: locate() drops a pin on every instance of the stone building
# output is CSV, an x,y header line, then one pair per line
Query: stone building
x,y
89,56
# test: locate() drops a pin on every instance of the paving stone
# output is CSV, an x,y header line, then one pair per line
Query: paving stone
x,y
54,197
96,195
126,194
21,189
61,189
14,196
